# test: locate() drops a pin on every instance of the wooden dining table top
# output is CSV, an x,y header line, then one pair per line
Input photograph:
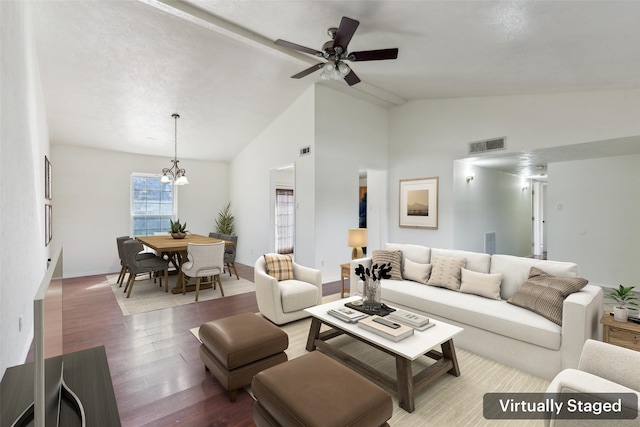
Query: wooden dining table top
x,y
166,243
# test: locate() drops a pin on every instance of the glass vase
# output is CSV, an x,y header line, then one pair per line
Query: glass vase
x,y
371,300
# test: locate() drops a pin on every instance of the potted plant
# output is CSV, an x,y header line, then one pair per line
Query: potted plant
x,y
623,296
224,222
178,230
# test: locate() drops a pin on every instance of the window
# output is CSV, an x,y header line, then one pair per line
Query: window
x,y
152,205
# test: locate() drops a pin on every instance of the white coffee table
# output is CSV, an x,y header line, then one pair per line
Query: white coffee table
x,y
421,343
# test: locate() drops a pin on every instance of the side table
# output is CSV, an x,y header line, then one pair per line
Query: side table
x,y
344,274
623,334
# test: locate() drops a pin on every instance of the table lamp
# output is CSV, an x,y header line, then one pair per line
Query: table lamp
x,y
357,239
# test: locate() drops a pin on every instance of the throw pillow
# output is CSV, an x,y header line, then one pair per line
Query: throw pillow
x,y
394,257
416,272
279,266
544,294
445,272
481,284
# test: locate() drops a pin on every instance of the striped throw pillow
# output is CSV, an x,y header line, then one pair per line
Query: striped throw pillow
x,y
544,294
394,257
279,266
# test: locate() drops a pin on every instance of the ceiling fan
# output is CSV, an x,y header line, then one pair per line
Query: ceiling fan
x,y
335,52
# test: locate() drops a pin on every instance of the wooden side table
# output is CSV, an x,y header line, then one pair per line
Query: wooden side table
x,y
623,334
344,274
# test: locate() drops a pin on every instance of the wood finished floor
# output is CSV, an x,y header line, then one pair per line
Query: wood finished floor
x,y
157,374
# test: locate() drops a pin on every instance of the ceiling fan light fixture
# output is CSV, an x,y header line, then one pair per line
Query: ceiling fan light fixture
x,y
344,68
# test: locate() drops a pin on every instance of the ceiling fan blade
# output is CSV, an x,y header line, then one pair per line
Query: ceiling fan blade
x,y
373,55
308,71
351,78
297,47
345,32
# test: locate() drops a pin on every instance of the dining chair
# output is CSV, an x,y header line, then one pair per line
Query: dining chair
x,y
123,270
137,266
206,261
229,251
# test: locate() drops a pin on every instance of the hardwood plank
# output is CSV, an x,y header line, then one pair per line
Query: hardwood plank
x,y
157,374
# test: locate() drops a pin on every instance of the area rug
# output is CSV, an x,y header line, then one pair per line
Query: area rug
x,y
449,401
148,296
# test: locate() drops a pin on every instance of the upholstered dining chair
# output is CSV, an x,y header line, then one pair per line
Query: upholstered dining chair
x,y
229,251
206,261
284,288
137,266
123,270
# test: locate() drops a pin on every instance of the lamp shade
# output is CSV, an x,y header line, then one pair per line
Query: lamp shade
x,y
357,237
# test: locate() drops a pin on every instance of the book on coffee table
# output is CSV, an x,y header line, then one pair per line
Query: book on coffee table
x,y
346,314
409,318
395,333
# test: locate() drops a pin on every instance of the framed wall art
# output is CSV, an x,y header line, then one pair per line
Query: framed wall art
x,y
48,234
419,203
47,178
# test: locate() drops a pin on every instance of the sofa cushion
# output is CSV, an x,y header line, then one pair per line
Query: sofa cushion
x,y
279,266
415,271
482,284
392,257
491,315
415,253
544,294
297,295
445,272
516,270
476,261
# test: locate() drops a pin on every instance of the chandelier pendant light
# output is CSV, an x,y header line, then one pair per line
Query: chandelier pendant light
x,y
175,172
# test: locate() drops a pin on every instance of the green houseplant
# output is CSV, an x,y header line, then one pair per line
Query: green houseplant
x,y
224,222
178,230
623,296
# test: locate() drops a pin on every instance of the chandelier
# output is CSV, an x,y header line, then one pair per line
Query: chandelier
x,y
175,172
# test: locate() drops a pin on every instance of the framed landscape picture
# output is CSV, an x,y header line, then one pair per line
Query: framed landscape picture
x,y
419,203
47,178
48,233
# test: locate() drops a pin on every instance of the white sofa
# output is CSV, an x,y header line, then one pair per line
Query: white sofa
x,y
492,327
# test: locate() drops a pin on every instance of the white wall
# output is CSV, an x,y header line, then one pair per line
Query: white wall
x,y
278,145
426,136
23,145
351,135
92,201
593,217
345,135
493,201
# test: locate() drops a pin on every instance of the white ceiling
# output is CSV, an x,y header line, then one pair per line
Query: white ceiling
x,y
113,72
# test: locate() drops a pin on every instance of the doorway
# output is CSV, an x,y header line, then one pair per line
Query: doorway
x,y
538,203
282,196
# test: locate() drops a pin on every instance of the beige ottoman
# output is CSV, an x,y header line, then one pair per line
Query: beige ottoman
x,y
315,390
236,348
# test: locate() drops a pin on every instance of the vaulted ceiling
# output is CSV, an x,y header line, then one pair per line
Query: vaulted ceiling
x,y
113,72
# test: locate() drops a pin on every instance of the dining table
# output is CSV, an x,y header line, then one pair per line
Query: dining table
x,y
176,251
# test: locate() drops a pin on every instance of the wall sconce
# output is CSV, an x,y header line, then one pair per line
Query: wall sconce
x,y
357,239
525,186
470,178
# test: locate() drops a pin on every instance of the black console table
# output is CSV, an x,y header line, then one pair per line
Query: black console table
x,y
86,372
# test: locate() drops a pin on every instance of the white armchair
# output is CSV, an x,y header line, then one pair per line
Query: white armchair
x,y
285,300
603,368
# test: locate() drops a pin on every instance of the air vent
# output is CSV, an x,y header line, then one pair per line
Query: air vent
x,y
305,150
487,145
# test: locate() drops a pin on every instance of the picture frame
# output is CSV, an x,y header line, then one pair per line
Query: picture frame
x,y
48,232
419,203
47,178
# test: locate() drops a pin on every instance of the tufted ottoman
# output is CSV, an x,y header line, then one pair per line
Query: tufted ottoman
x,y
315,390
236,348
